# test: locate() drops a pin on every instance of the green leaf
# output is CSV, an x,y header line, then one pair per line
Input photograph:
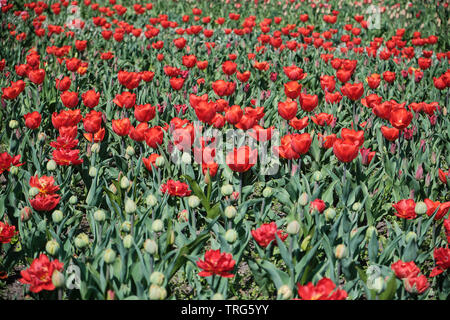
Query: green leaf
x,y
391,288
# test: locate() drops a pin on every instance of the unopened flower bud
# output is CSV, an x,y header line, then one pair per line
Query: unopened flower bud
x,y
421,207
356,206
303,201
217,296
293,227
186,158
57,216
150,246
151,200
112,188
231,235
317,175
226,190
52,247
285,292
267,192
130,206
130,151
81,240
172,237
33,192
341,251
157,278
128,241
193,201
58,279
411,236
124,182
230,212
371,231
126,226
330,214
305,242
183,216
109,256
378,284
14,171
73,200
99,215
92,172
13,124
159,162
95,148
25,214
157,225
41,136
157,293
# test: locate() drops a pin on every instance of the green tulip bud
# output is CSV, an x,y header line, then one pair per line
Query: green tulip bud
x,y
193,201
14,171
130,206
217,296
305,242
371,231
151,200
421,207
157,278
95,148
157,293
130,151
52,247
126,226
81,240
303,201
411,236
73,200
230,212
57,216
267,192
285,292
186,158
150,246
99,215
109,256
25,214
159,162
157,225
92,172
378,284
317,176
293,227
341,251
112,188
172,237
58,279
124,182
226,190
33,192
128,241
13,124
41,136
330,214
356,206
231,235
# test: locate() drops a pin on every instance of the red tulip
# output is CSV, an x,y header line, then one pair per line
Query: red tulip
x,y
287,109
300,143
121,126
345,150
33,120
292,89
241,159
405,209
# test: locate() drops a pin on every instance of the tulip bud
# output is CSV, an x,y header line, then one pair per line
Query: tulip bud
x,y
57,216
41,136
52,247
183,216
267,192
378,284
231,235
25,214
217,296
73,200
444,111
130,151
157,278
99,216
109,256
172,237
317,175
13,124
157,293
421,207
157,225
226,190
124,182
285,292
81,241
186,158
410,236
151,200
303,201
293,227
126,226
14,171
128,241
305,242
112,188
92,172
58,279
371,231
150,246
230,212
33,192
130,206
159,162
95,148
341,251
330,214
433,157
193,201
356,206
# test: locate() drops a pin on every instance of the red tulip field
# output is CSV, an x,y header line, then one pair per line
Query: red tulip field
x,y
224,150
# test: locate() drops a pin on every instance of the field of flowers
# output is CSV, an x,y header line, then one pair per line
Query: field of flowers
x,y
294,149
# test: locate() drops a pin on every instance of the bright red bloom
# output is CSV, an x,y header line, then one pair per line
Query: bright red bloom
x,y
440,208
299,124
287,109
241,159
300,143
90,98
353,91
45,202
144,112
324,290
294,73
345,150
405,269
69,99
7,232
405,209
63,84
121,126
33,120
216,262
443,175
390,133
356,136
67,157
389,76
130,80
138,133
7,161
229,67
176,83
96,137
322,118
244,76
373,80
318,205
176,188
66,118
442,259
223,88
150,161
125,100
92,121
308,102
36,76
234,114
400,118
265,234
39,274
292,89
154,137
327,83
45,184
205,111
